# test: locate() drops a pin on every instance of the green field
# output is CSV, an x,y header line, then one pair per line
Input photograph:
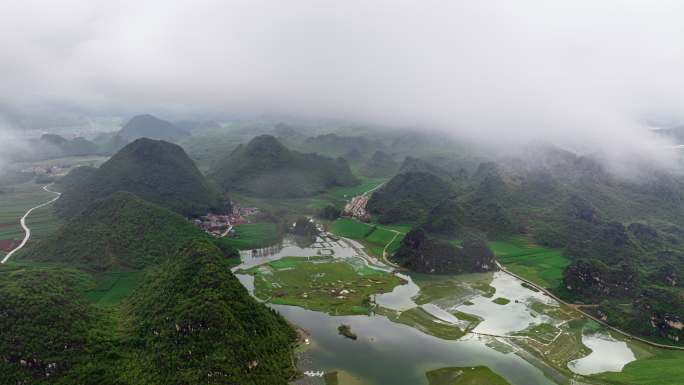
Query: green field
x,y
373,236
341,195
538,264
68,161
15,200
335,287
43,222
653,367
337,197
477,375
254,236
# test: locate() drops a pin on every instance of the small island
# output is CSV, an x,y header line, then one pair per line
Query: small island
x,y
346,331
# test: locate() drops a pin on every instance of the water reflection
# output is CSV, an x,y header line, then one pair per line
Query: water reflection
x,y
386,352
607,355
391,353
511,317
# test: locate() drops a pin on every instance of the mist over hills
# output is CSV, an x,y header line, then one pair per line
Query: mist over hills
x,y
148,126
380,165
622,237
265,167
154,170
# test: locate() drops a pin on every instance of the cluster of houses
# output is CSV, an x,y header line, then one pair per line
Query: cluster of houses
x,y
221,225
356,208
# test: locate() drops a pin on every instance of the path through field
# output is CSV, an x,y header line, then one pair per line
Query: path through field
x,y
27,231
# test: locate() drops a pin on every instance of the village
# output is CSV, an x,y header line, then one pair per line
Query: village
x,y
356,208
222,225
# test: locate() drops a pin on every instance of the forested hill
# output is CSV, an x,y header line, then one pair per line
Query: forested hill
x,y
189,322
193,317
121,230
154,170
623,237
408,197
266,168
148,126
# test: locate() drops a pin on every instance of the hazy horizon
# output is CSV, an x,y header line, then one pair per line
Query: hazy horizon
x,y
583,75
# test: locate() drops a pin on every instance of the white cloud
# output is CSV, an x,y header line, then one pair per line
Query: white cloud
x,y
582,73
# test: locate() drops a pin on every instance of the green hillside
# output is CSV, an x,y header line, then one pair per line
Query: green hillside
x,y
266,168
45,324
190,321
75,177
615,241
408,197
193,317
120,230
154,170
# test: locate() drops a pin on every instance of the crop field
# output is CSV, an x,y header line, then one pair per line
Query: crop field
x,y
43,222
335,287
536,263
653,367
254,235
68,162
373,236
337,197
14,202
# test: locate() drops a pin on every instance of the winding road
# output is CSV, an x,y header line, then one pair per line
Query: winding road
x,y
27,231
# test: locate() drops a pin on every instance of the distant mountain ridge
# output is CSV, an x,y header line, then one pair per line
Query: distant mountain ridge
x,y
148,126
380,165
264,167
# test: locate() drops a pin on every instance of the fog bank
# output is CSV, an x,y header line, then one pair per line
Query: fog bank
x,y
584,74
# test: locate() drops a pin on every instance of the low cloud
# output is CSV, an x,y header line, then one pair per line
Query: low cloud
x,y
586,75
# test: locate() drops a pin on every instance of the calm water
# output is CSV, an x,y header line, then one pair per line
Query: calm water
x,y
390,353
607,355
515,315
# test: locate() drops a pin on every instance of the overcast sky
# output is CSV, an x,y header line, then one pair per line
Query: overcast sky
x,y
585,73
